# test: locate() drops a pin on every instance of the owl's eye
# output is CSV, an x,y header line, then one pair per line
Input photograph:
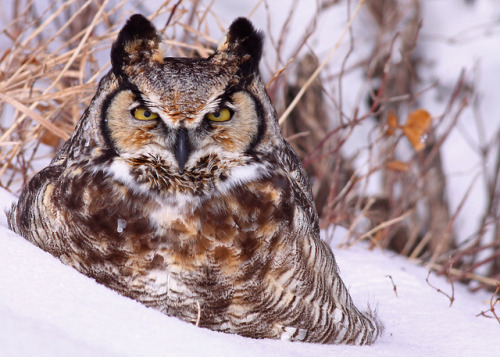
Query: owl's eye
x,y
221,115
144,114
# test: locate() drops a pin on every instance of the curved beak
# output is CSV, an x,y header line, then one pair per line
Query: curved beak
x,y
182,148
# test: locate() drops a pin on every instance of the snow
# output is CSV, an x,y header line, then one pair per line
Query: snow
x,y
48,309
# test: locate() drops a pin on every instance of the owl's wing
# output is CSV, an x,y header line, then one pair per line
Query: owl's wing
x,y
28,217
62,153
296,171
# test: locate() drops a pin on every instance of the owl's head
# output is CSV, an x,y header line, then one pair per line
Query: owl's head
x,y
186,117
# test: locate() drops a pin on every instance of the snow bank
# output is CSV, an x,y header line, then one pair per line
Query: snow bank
x,y
48,309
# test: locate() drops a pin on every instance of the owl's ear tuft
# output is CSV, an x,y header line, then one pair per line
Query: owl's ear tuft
x,y
242,45
138,41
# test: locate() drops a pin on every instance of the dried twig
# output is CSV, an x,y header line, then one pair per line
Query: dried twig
x,y
495,299
172,12
322,65
381,226
394,287
451,297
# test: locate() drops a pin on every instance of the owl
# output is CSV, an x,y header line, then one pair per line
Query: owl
x,y
178,190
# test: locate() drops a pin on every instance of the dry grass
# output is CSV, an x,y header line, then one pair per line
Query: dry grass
x,y
53,58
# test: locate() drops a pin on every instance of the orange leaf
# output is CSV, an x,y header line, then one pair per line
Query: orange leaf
x,y
416,126
420,119
379,236
392,123
397,165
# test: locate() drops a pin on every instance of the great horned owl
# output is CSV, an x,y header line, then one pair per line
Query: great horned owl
x,y
178,190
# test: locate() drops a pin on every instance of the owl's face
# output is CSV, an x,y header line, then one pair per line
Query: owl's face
x,y
198,122
167,118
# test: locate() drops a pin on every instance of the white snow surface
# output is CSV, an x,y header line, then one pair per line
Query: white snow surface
x,y
49,309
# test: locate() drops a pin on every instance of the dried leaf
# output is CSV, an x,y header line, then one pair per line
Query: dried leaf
x,y
392,123
419,119
378,237
397,165
416,126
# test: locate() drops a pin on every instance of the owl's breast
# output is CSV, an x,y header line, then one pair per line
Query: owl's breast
x,y
216,256
205,261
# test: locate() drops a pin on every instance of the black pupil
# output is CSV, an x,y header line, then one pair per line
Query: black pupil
x,y
216,114
147,113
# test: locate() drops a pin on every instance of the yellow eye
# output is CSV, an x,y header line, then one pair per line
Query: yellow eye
x,y
144,114
221,115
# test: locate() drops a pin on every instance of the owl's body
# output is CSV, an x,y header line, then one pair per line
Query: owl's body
x,y
178,190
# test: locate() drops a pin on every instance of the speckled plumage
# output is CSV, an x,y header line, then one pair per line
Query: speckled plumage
x,y
212,222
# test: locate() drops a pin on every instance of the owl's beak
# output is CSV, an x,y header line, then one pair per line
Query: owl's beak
x,y
182,148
